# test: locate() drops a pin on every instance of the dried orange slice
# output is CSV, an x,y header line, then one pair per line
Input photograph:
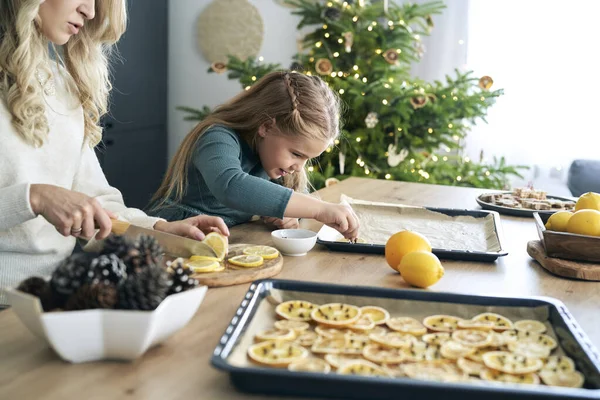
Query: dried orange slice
x,y
204,266
539,338
437,338
380,354
246,261
454,350
218,243
330,333
470,367
276,353
295,310
362,367
393,339
275,334
355,343
572,379
296,326
477,356
378,330
498,376
378,315
429,370
558,364
336,314
306,338
420,351
504,338
310,365
329,346
472,337
511,363
501,323
363,323
442,323
336,360
266,252
406,325
529,349
472,324
530,325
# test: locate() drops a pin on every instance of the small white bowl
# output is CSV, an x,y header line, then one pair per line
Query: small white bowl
x,y
294,242
91,335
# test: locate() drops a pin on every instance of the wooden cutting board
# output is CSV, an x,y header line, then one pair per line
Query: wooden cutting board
x,y
233,275
566,268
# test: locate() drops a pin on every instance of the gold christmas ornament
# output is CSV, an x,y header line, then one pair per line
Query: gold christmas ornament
x,y
323,66
418,101
218,67
486,82
391,56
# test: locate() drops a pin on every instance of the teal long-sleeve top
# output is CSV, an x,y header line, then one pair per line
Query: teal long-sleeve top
x,y
226,179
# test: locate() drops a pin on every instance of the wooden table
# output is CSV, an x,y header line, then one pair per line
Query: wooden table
x,y
179,369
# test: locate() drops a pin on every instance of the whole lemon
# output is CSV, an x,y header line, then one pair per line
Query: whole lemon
x,y
402,243
421,268
558,221
588,201
585,222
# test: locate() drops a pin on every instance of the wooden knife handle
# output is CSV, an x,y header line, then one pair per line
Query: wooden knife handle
x,y
119,227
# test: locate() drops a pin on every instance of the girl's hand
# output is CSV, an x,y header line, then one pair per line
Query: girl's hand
x,y
285,223
340,217
71,213
195,227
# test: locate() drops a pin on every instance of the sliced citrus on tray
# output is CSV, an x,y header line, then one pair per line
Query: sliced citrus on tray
x,y
276,353
310,365
501,323
218,243
472,337
511,363
296,326
266,252
442,323
406,325
275,334
336,314
498,376
204,266
362,367
573,379
246,261
529,325
295,310
378,315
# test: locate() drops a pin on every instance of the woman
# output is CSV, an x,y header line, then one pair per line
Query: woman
x,y
52,189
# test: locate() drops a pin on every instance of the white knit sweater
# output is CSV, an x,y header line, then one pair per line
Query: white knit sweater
x,y
29,245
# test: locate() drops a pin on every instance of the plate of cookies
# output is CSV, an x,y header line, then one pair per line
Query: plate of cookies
x,y
523,202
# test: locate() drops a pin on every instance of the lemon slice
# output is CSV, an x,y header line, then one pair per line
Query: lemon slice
x,y
420,351
246,261
361,367
204,258
529,349
429,370
501,323
203,266
498,376
275,334
355,343
310,365
276,353
329,346
573,379
454,350
218,243
472,337
378,315
331,333
295,310
558,364
336,314
437,338
470,367
442,323
296,326
539,338
529,325
471,324
511,363
306,338
477,356
393,339
336,360
406,325
266,252
363,323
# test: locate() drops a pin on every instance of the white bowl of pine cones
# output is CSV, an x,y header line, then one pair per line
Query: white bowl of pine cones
x,y
109,305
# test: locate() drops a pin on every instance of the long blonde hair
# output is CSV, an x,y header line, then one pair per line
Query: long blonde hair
x,y
24,50
301,105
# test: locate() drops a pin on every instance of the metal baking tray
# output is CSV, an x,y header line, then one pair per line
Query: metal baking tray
x,y
518,211
328,237
256,312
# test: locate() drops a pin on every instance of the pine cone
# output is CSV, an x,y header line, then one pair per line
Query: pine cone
x,y
181,277
40,288
144,290
107,269
332,13
123,247
71,274
92,296
150,252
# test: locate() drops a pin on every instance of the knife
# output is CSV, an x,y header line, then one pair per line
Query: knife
x,y
173,245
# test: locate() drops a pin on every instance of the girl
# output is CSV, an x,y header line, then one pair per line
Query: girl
x,y
269,131
52,188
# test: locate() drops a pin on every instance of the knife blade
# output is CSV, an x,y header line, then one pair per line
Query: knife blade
x,y
173,245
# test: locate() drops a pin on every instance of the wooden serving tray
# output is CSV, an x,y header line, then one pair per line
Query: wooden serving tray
x,y
560,267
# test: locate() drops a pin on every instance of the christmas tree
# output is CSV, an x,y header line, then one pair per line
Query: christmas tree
x,y
395,126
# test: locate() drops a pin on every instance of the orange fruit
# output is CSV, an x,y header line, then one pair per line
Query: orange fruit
x,y
402,243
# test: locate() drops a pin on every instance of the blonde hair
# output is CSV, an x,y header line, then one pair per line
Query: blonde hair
x,y
301,105
24,50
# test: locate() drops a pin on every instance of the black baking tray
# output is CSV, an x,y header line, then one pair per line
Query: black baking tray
x,y
271,381
518,212
448,254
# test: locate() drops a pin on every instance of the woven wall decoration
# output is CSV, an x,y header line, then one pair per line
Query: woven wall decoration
x,y
230,27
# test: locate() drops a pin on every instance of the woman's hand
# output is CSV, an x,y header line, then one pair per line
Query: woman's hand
x,y
340,217
195,227
285,223
72,213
